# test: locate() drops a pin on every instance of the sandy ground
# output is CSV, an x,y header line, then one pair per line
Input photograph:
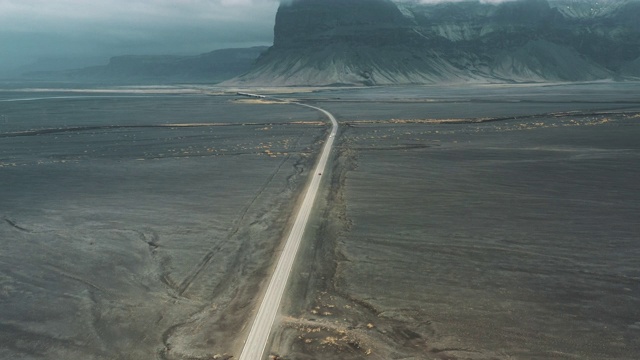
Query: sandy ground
x,y
128,235
455,223
510,239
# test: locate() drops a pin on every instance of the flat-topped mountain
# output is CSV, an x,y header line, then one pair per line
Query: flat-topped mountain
x,y
214,66
372,42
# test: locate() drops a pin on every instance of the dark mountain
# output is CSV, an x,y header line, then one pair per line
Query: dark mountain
x,y
323,42
210,67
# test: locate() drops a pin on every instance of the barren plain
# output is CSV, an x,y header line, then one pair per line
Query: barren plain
x,y
141,227
475,223
459,222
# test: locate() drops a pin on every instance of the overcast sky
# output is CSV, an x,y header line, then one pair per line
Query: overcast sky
x,y
99,29
32,29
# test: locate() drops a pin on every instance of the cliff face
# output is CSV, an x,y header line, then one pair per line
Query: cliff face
x,y
323,22
323,42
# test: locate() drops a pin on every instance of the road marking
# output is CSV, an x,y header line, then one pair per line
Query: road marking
x,y
261,329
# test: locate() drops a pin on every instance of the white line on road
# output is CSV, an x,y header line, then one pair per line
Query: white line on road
x,y
259,334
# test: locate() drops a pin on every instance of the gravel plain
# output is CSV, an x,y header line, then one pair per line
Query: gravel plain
x,y
476,222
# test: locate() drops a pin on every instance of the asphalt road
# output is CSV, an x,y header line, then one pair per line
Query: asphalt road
x,y
259,335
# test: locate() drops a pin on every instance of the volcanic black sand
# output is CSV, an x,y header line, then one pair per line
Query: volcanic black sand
x,y
475,224
480,222
123,237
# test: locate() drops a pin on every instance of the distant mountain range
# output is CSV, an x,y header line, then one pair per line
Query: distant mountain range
x,y
382,42
211,67
376,42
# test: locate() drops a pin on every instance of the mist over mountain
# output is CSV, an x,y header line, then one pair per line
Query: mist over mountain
x,y
376,42
214,66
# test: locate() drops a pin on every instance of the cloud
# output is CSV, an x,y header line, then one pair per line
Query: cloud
x,y
44,28
446,1
31,29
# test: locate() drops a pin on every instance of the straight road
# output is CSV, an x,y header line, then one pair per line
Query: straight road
x,y
259,334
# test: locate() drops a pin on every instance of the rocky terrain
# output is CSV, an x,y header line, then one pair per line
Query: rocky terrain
x,y
377,42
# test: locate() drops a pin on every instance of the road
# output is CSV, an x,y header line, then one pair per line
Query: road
x,y
259,334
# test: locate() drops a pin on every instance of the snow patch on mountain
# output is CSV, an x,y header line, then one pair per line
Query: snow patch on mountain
x,y
587,8
380,42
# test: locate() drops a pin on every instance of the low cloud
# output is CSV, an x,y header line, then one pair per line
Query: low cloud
x,y
31,29
448,1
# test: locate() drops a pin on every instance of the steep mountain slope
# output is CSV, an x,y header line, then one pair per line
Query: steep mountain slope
x,y
587,9
323,42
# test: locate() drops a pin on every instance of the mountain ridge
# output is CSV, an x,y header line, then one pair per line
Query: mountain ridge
x,y
213,66
382,42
